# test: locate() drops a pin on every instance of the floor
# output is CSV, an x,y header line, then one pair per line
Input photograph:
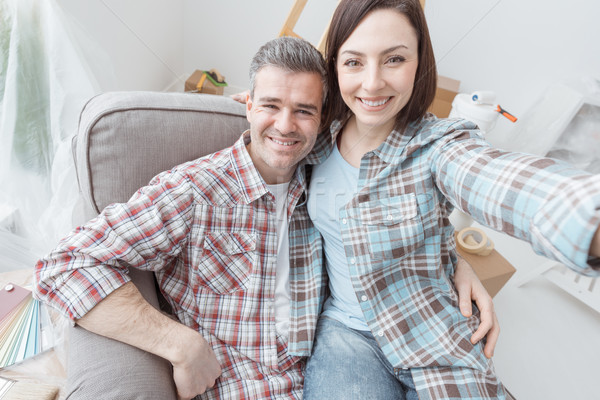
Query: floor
x,y
549,345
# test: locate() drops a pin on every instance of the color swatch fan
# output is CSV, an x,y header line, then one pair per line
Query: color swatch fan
x,y
22,322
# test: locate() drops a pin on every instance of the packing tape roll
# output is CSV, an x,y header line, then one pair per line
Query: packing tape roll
x,y
475,241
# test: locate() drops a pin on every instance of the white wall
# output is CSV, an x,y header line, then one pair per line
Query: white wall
x,y
515,48
130,45
225,34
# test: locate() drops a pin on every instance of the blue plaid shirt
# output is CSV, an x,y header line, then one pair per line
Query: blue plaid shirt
x,y
400,247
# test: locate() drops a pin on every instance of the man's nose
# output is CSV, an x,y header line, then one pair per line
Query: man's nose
x,y
285,122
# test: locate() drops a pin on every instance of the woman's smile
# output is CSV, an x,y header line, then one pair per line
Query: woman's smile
x,y
374,103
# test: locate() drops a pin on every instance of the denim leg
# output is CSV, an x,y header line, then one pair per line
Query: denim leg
x,y
405,377
348,364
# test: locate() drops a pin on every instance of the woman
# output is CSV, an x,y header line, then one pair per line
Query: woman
x,y
381,190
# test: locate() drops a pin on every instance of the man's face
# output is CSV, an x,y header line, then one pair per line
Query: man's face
x,y
284,116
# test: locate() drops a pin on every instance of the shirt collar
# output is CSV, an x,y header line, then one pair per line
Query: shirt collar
x,y
252,184
396,147
392,150
324,144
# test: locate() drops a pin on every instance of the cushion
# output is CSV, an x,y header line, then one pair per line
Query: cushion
x,y
126,138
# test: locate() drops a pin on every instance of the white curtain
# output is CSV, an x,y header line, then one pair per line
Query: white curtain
x,y
44,82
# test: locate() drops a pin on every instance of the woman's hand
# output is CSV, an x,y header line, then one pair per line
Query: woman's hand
x,y
470,289
241,97
595,248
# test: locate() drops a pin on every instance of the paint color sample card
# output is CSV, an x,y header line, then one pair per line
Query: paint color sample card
x,y
5,385
20,325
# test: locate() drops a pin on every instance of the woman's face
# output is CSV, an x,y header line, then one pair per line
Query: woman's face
x,y
376,68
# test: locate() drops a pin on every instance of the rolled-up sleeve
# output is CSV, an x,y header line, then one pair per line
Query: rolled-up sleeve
x,y
93,260
546,202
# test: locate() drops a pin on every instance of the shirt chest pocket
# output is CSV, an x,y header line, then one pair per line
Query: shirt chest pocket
x,y
227,261
392,226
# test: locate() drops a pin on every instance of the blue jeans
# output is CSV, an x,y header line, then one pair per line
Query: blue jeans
x,y
348,364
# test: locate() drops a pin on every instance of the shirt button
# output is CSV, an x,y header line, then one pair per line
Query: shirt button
x,y
364,298
344,221
390,217
353,260
380,333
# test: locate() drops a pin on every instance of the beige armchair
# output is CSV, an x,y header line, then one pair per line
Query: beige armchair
x,y
125,139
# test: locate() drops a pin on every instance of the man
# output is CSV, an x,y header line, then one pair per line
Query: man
x,y
212,230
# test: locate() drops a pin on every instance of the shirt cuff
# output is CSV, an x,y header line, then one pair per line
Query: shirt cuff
x,y
564,227
84,288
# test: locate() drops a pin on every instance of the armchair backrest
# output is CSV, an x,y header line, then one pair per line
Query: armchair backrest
x,y
126,138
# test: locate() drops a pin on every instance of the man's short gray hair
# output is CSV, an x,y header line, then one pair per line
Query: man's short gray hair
x,y
290,54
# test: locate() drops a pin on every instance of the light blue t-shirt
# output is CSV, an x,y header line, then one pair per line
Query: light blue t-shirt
x,y
333,184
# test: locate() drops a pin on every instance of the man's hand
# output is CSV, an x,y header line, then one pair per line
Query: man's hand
x,y
125,316
198,368
470,289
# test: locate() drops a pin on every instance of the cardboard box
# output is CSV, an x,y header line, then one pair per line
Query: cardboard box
x,y
210,82
492,270
447,89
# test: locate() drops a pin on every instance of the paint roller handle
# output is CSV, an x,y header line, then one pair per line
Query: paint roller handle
x,y
505,113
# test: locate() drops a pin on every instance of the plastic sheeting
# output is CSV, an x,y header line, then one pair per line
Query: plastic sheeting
x,y
580,142
564,123
44,82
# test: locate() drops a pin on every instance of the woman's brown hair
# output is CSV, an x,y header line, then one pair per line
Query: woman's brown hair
x,y
347,16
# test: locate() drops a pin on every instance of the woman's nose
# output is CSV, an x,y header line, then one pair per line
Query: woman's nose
x,y
373,79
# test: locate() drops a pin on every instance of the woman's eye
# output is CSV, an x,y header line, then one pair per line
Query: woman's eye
x,y
396,59
351,63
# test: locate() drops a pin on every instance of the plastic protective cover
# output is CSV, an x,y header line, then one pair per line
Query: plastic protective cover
x,y
564,123
44,83
579,144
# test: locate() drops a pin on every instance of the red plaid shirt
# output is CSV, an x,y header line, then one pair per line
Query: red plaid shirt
x,y
207,230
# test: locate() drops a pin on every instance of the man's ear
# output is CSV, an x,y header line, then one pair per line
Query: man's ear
x,y
248,106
